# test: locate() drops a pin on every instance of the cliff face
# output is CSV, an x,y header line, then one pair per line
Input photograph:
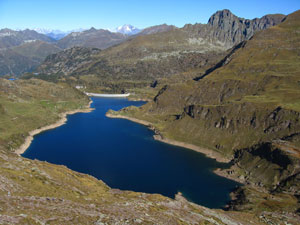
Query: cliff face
x,y
231,29
270,165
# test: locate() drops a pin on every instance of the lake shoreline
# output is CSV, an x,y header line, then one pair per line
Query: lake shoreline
x,y
63,119
209,153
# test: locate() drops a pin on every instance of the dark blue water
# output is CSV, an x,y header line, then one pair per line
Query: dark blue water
x,y
124,155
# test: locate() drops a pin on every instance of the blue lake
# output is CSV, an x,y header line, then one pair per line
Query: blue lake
x,y
125,156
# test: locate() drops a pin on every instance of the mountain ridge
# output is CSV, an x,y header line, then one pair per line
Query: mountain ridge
x,y
168,42
93,38
11,38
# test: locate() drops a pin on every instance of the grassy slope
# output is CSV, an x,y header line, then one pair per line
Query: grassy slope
x,y
27,105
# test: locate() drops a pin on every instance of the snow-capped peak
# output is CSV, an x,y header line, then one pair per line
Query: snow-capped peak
x,y
127,29
56,34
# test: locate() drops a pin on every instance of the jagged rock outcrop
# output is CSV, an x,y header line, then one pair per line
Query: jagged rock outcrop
x,y
231,29
269,165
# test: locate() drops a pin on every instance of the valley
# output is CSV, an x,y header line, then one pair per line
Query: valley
x,y
228,88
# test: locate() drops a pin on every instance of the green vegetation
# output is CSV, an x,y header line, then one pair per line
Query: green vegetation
x,y
29,104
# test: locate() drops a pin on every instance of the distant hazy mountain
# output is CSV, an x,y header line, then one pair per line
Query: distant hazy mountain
x,y
13,63
127,29
37,50
10,38
157,29
23,50
25,57
92,38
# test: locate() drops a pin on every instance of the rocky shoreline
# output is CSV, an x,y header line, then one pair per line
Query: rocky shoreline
x,y
61,121
209,153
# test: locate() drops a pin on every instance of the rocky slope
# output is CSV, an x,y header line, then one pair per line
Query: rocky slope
x,y
246,108
168,56
34,192
67,61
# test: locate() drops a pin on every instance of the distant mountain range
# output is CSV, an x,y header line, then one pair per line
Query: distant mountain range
x,y
222,32
10,38
56,34
59,34
160,52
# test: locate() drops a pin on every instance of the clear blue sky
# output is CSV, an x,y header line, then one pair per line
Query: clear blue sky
x,y
72,14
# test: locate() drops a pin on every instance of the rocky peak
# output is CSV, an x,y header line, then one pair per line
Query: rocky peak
x,y
93,29
222,19
231,29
